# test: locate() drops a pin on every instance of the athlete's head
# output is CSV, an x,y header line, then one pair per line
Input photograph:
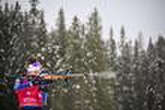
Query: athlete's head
x,y
34,66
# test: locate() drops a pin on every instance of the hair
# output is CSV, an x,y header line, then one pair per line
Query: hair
x,y
31,60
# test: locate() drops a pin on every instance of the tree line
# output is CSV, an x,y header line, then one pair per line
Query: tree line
x,y
139,71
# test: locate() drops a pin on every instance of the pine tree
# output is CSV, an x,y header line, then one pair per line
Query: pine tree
x,y
11,32
124,75
139,70
94,46
74,55
150,97
2,57
57,45
10,35
126,81
6,37
159,69
105,93
112,52
122,39
95,60
42,37
35,32
60,42
136,76
17,54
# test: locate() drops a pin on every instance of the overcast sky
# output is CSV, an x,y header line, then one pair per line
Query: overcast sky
x,y
147,16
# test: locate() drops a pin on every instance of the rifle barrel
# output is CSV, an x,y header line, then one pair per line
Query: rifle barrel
x,y
77,75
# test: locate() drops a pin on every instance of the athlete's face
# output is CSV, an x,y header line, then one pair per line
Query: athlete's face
x,y
34,73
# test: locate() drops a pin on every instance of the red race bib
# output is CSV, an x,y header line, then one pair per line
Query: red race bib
x,y
31,96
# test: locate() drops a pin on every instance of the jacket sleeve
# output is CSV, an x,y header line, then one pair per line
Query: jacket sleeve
x,y
16,84
21,85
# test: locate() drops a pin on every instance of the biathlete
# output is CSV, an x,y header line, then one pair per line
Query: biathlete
x,y
30,89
